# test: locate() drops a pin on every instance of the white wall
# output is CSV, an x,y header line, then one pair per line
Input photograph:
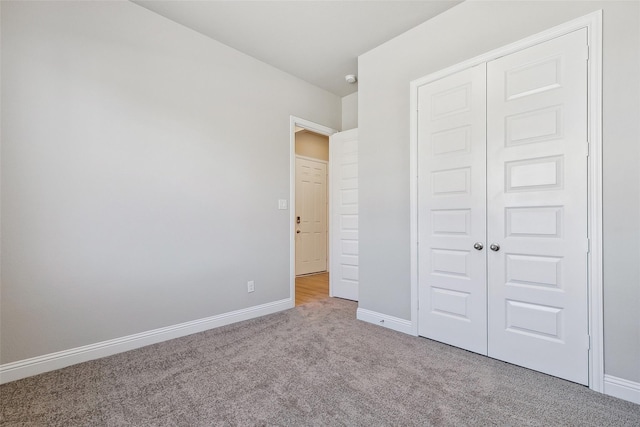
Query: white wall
x,y
141,167
350,111
465,31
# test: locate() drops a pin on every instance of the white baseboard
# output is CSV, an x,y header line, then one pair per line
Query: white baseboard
x,y
621,388
395,323
50,362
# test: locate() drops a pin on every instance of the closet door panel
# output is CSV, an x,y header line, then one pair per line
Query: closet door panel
x,y
451,209
537,207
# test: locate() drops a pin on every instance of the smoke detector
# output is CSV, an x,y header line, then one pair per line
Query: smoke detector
x,y
351,78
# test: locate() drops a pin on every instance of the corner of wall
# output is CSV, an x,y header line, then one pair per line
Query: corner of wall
x,y
350,111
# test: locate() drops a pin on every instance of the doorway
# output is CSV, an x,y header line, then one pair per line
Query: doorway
x,y
311,204
309,211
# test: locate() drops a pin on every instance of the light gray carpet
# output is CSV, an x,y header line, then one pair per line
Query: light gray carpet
x,y
315,365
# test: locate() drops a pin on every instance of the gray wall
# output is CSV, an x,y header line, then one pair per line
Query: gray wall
x,y
350,111
465,31
141,167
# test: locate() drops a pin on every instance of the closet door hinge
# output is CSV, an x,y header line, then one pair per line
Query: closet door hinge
x,y
586,52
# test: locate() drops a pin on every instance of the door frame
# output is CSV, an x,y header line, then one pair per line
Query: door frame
x,y
593,23
322,130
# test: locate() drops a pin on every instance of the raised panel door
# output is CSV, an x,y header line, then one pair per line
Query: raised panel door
x,y
537,207
311,216
344,215
451,210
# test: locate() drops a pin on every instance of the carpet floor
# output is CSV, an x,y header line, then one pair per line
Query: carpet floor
x,y
314,365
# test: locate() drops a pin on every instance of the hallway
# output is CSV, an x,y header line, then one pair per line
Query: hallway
x,y
314,287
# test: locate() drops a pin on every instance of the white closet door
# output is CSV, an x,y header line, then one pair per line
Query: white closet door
x,y
343,280
537,207
451,210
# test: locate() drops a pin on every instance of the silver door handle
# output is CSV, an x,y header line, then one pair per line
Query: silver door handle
x,y
478,246
494,247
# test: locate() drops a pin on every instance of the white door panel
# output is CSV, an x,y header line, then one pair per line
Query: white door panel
x,y
502,161
537,205
311,209
343,280
451,210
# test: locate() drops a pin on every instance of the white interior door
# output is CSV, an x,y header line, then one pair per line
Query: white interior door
x,y
522,299
451,210
311,216
343,280
537,199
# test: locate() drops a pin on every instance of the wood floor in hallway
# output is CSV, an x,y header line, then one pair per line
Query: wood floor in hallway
x,y
313,287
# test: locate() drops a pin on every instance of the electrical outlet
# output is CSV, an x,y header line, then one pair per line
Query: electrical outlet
x,y
251,286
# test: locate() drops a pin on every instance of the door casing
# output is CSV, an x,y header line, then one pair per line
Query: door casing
x,y
593,23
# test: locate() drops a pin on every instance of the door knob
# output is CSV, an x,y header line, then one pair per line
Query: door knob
x,y
494,247
478,246
297,231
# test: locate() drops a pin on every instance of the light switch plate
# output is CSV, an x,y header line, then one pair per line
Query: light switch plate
x,y
282,204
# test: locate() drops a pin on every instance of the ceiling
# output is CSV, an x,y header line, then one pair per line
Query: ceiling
x,y
317,41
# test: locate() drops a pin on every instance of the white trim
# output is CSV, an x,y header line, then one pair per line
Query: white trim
x,y
312,126
413,202
323,130
593,23
596,256
622,389
395,323
52,361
